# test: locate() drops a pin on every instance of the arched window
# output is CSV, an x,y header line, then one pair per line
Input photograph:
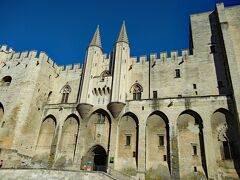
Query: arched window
x,y
136,90
65,93
6,81
104,74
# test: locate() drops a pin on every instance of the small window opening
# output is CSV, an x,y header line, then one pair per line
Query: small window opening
x,y
178,74
100,91
134,154
196,93
142,107
161,140
3,123
155,95
65,97
165,157
49,95
194,150
128,140
195,169
194,86
95,91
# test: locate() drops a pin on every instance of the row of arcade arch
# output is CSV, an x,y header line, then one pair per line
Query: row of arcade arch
x,y
189,139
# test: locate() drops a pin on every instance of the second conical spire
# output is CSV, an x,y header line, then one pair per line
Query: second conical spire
x,y
123,37
96,40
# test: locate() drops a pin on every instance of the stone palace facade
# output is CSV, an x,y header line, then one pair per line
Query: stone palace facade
x,y
163,116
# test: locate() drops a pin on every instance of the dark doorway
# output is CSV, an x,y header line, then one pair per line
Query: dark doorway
x,y
100,158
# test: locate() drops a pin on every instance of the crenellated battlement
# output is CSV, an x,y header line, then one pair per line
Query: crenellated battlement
x,y
162,57
6,49
38,57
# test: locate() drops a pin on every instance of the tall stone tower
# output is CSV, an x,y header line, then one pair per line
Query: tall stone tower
x,y
93,56
120,66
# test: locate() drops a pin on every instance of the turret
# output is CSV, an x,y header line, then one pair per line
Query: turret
x,y
93,56
121,63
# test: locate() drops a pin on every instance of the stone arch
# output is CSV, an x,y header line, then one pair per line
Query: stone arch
x,y
191,150
98,156
225,136
158,144
68,141
98,129
127,142
46,137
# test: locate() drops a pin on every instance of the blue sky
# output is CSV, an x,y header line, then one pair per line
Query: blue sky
x,y
64,28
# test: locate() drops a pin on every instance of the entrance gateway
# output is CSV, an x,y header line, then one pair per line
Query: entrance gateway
x,y
95,160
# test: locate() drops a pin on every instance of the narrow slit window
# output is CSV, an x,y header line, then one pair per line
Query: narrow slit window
x,y
128,140
155,95
3,123
194,86
161,140
134,154
194,150
165,157
177,73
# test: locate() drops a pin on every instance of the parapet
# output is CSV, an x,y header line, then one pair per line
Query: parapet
x,y
6,49
33,55
163,57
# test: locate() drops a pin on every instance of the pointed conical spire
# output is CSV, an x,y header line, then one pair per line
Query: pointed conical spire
x,y
96,40
123,37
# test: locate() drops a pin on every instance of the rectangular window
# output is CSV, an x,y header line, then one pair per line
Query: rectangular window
x,y
161,140
138,96
178,75
194,150
195,169
134,96
128,140
65,97
194,86
154,94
